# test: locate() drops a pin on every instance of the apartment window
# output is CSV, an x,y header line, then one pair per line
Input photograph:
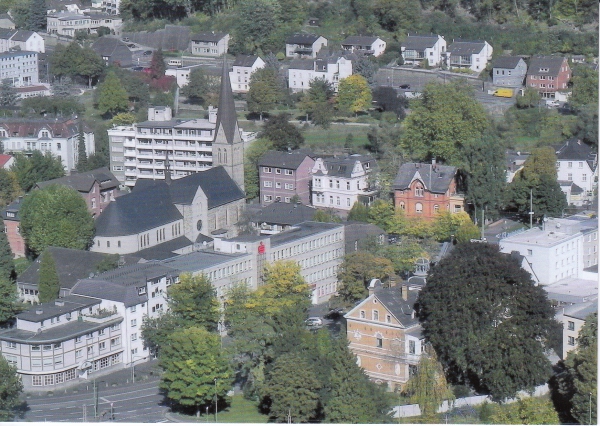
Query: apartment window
x,y
436,208
330,183
580,164
402,205
412,347
102,346
90,350
571,341
47,347
277,171
584,177
101,332
362,315
347,202
57,345
78,353
289,172
287,199
330,199
134,337
337,200
267,170
418,191
348,186
268,184
379,341
11,345
116,341
133,309
570,176
134,323
571,326
569,164
375,315
78,339
529,252
268,198
289,186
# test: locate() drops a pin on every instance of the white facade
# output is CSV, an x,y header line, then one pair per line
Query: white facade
x,y
579,172
333,71
24,40
296,50
550,254
573,318
360,45
111,6
240,75
433,54
476,61
21,68
67,24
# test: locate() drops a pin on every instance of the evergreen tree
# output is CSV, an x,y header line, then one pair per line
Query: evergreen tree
x,y
62,89
252,155
157,65
36,20
8,94
11,387
317,102
49,286
7,263
112,97
9,304
82,160
198,87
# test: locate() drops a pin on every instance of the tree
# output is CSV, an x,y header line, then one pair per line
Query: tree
x,y
526,411
446,224
56,216
530,99
443,118
428,387
317,102
359,212
36,21
7,264
354,94
256,21
284,135
157,65
36,168
9,187
283,286
494,333
394,16
124,119
198,87
90,65
108,263
112,98
357,271
48,286
387,99
253,154
62,89
11,387
193,302
195,372
326,216
82,164
264,91
156,331
8,94
9,300
365,67
292,388
585,87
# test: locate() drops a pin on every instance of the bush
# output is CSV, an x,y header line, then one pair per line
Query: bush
x,y
461,391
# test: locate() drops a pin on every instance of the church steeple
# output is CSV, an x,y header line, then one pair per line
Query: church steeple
x,y
228,146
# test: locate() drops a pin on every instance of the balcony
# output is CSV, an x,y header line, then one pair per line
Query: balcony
x,y
101,317
413,55
460,61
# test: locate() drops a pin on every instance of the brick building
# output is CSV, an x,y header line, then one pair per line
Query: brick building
x,y
548,75
12,227
423,190
282,175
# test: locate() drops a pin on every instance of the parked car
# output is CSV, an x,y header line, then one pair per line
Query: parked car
x,y
552,104
147,53
335,314
314,322
137,69
405,86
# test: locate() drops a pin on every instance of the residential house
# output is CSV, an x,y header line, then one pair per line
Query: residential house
x,y
97,187
360,234
21,40
111,7
6,21
417,48
423,190
548,75
279,217
12,228
366,45
473,55
331,68
243,68
515,161
67,23
509,71
573,319
339,182
304,45
283,175
6,161
20,68
59,136
209,44
113,51
25,92
385,335
577,163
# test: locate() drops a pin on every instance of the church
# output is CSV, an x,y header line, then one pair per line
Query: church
x,y
167,217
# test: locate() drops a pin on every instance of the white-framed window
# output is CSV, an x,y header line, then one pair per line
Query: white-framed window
x,y
571,326
116,341
11,345
134,337
570,164
287,199
289,172
268,198
571,341
267,170
580,164
133,309
584,177
102,346
278,185
289,186
268,184
419,191
78,353
277,171
570,176
419,208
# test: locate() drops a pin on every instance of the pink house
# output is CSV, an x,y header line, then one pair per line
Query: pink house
x,y
12,223
283,175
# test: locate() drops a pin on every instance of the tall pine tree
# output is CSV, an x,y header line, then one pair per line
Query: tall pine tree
x,y
7,264
8,300
82,163
36,20
49,285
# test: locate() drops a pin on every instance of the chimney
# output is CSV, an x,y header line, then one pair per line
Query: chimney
x,y
374,286
404,290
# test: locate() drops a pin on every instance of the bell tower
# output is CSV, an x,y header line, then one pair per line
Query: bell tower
x,y
228,146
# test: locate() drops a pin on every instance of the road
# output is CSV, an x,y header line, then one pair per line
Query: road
x,y
132,403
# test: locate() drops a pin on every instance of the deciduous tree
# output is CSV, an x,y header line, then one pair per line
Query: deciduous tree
x,y
494,333
112,98
198,87
9,305
157,65
49,285
36,168
354,94
284,136
256,21
156,331
251,177
387,99
359,212
264,91
56,216
7,264
526,411
8,94
317,102
11,387
357,270
9,187
193,302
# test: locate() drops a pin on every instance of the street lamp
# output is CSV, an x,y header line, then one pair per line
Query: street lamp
x,y
133,366
96,397
216,401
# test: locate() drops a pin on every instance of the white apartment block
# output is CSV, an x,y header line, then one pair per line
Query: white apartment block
x,y
577,163
243,68
60,137
303,71
20,68
111,6
338,183
22,39
67,24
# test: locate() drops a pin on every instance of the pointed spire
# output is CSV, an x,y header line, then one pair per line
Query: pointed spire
x,y
226,115
167,169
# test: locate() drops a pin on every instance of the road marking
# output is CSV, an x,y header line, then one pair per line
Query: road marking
x,y
104,399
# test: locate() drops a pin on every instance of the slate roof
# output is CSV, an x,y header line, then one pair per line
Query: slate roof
x,y
216,184
138,211
284,160
391,299
71,265
22,35
208,36
165,250
343,166
576,150
83,182
552,63
302,230
30,127
172,37
13,207
284,214
245,60
581,310
359,40
201,260
226,115
466,47
128,295
302,64
436,178
51,309
114,49
419,42
301,39
507,62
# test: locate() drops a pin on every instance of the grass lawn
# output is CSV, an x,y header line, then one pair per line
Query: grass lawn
x,y
525,143
240,411
334,138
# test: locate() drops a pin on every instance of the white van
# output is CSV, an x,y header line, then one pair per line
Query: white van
x,y
175,63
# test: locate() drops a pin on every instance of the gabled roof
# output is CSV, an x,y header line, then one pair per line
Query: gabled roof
x,y
507,62
83,182
284,214
360,40
245,60
302,39
576,150
30,127
4,158
13,207
436,178
216,184
71,266
343,166
208,36
419,42
226,115
551,63
114,49
284,160
302,64
22,35
466,47
392,301
128,295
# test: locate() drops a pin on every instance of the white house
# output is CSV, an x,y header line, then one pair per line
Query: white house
x,y
416,48
243,68
332,69
473,55
304,45
21,39
367,45
67,23
577,163
338,183
573,318
209,44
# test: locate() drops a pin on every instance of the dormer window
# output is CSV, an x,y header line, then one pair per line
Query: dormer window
x,y
544,70
141,290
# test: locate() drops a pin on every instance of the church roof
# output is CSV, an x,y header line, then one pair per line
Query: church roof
x,y
227,116
216,184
